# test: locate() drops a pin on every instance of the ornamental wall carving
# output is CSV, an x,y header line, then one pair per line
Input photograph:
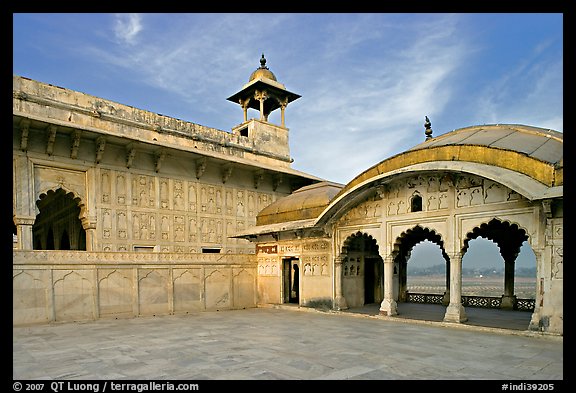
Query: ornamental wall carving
x,y
173,214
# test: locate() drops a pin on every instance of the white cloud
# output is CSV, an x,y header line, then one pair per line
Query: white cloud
x,y
127,27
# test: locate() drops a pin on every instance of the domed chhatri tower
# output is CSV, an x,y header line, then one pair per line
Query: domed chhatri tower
x,y
265,94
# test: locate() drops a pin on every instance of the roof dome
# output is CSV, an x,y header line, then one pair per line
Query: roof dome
x,y
305,203
262,71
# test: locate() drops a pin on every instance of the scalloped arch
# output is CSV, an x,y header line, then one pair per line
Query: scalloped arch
x,y
488,229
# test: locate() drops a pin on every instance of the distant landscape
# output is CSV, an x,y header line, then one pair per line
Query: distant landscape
x,y
475,281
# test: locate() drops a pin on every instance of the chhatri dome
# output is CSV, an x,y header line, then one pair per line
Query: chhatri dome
x,y
262,71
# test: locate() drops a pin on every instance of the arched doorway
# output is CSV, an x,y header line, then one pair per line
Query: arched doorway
x,y
403,252
509,238
362,271
58,226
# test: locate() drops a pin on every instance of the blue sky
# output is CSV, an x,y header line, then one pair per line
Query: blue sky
x,y
367,80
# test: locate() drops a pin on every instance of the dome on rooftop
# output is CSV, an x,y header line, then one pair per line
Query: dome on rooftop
x,y
262,71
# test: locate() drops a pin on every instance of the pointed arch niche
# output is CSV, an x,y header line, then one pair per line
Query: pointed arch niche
x,y
362,270
58,225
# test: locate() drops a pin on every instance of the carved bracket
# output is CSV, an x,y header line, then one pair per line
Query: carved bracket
x,y
276,181
226,173
200,167
101,145
258,178
75,143
51,139
25,128
158,158
130,154
547,207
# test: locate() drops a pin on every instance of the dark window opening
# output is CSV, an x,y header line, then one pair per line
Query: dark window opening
x,y
211,251
244,132
416,203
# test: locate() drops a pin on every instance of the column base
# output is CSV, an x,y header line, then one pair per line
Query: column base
x,y
388,307
455,313
340,303
508,302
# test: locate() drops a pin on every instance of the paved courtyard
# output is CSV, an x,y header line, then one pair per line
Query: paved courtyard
x,y
280,344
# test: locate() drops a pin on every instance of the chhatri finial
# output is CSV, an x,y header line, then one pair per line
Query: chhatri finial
x,y
428,126
263,62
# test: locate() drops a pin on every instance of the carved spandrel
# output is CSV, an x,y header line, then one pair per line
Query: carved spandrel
x,y
494,192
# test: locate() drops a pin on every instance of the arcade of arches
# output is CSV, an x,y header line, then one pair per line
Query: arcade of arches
x,y
370,226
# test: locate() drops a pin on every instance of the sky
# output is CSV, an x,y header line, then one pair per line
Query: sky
x,y
367,80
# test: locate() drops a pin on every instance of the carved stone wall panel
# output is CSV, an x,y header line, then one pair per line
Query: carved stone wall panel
x,y
164,194
187,290
192,197
229,202
115,292
179,195
268,266
217,289
122,224
106,223
105,186
73,295
240,204
179,226
121,197
252,204
153,291
244,284
165,227
31,296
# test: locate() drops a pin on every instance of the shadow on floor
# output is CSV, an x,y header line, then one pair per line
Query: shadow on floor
x,y
494,318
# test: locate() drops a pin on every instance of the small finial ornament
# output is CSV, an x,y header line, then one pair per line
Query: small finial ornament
x,y
263,62
428,126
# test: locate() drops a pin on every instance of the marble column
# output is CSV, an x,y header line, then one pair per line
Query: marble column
x,y
455,311
389,306
339,300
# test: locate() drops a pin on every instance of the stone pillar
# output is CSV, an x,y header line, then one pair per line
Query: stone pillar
x,y
283,104
508,299
389,306
339,300
446,298
455,311
261,96
244,105
24,232
90,228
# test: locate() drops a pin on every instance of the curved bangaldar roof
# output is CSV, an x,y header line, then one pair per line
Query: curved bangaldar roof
x,y
532,151
304,203
526,159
